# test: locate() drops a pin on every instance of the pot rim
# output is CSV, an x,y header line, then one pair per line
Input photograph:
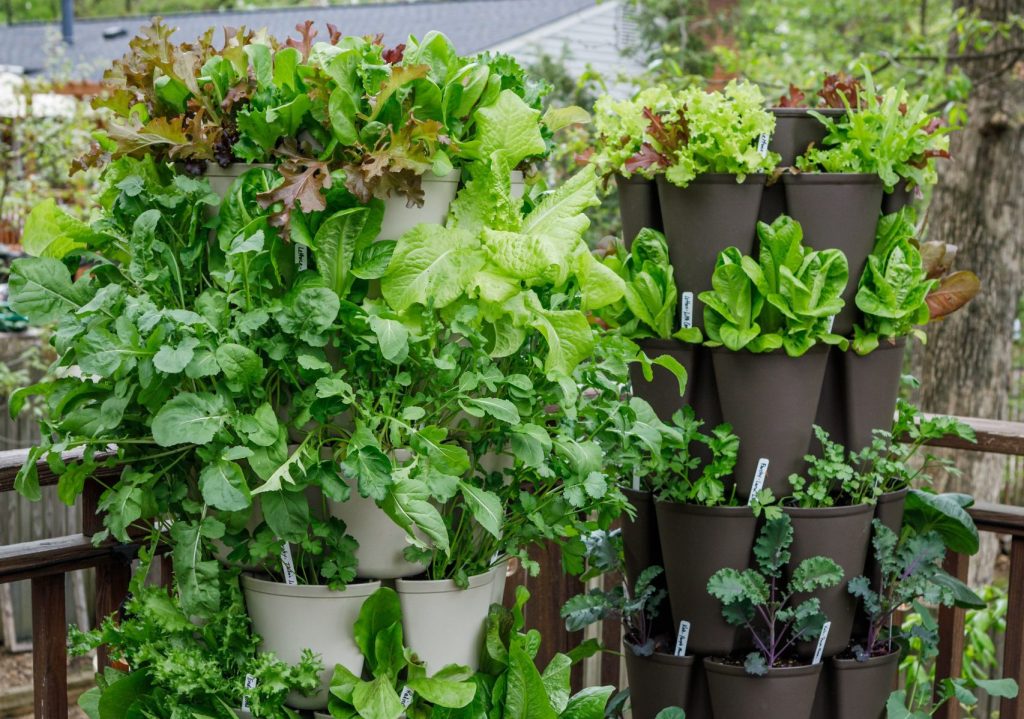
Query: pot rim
x,y
355,590
806,111
673,345
890,497
719,178
634,179
638,493
442,586
662,658
832,178
817,348
684,508
453,176
717,666
872,663
846,510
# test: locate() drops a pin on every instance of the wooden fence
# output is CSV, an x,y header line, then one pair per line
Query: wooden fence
x,y
45,562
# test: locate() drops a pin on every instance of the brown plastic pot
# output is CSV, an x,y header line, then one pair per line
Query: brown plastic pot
x,y
872,384
699,706
662,392
702,219
842,534
888,511
796,129
657,682
770,399
840,211
901,196
831,414
696,542
638,206
783,693
642,548
860,689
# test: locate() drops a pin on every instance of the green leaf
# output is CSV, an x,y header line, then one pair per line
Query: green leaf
x,y
223,486
926,511
377,699
118,700
485,506
240,365
560,217
431,266
174,359
41,289
509,127
526,696
557,677
26,481
408,504
371,468
51,232
444,692
339,238
380,611
588,704
287,514
189,419
500,409
392,337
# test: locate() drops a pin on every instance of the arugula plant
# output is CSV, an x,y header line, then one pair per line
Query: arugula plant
x,y
787,298
759,600
887,133
703,132
911,574
905,284
394,668
181,668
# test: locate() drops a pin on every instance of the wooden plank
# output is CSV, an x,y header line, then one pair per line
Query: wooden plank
x,y
998,518
49,648
1013,652
12,459
951,636
994,435
112,578
45,557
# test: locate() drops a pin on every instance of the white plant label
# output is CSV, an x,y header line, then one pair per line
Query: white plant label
x,y
406,696
686,309
250,684
831,323
287,565
636,480
762,144
682,638
759,476
820,649
301,257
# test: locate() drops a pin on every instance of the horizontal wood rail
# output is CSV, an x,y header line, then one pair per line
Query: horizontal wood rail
x,y
45,562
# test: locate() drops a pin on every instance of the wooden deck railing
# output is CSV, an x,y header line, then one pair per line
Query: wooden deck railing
x,y
45,562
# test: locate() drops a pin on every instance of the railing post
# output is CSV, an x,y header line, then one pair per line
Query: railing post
x,y
49,647
951,636
112,574
1013,652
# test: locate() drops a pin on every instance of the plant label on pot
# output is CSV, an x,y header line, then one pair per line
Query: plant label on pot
x,y
406,696
759,476
682,638
686,309
636,480
287,565
820,649
762,144
250,684
301,257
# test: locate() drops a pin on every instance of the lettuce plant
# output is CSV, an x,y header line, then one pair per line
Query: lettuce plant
x,y
888,134
785,299
765,605
707,132
907,284
393,668
620,129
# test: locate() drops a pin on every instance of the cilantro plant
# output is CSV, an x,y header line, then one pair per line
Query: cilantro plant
x,y
703,132
393,668
181,668
758,599
884,133
785,299
907,284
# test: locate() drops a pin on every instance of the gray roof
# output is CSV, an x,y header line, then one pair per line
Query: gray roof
x,y
472,25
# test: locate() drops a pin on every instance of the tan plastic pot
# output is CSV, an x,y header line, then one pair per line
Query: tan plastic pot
x,y
657,682
381,541
292,618
500,570
220,178
438,193
842,534
444,624
638,206
783,693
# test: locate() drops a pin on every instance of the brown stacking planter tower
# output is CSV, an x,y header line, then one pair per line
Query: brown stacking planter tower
x,y
796,129
642,549
638,206
657,682
713,212
662,392
783,693
859,690
872,384
901,196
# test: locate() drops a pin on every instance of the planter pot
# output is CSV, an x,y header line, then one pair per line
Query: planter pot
x,y
638,206
783,693
859,690
888,511
500,571
837,210
444,624
699,706
901,196
713,212
438,193
696,542
872,384
770,400
831,414
796,129
662,392
220,178
842,534
292,618
381,541
657,682
642,548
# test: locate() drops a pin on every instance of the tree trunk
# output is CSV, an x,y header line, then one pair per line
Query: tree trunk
x,y
966,367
